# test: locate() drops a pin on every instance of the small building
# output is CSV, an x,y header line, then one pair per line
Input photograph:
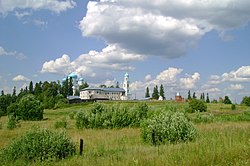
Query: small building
x,y
178,97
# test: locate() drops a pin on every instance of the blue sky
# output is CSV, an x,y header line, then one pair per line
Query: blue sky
x,y
196,45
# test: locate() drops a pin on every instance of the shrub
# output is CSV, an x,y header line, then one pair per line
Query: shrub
x,y
72,115
233,107
38,145
61,123
29,108
167,127
196,105
12,122
116,116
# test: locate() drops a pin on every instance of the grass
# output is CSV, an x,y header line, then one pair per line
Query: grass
x,y
222,142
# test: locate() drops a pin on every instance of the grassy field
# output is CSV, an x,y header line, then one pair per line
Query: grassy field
x,y
223,141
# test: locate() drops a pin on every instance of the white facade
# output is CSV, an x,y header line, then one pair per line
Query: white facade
x,y
108,93
102,94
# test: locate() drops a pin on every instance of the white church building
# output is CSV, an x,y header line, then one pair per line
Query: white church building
x,y
107,93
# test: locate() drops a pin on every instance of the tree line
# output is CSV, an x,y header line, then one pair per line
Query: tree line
x,y
51,94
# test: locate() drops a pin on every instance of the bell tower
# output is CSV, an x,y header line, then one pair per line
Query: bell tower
x,y
126,85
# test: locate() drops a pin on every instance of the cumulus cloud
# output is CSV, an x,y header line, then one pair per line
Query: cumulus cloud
x,y
190,81
162,27
168,76
20,78
111,58
235,87
240,75
56,6
15,54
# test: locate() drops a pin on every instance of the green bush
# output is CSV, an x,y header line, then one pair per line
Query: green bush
x,y
72,115
233,107
167,127
12,122
196,105
38,145
29,108
61,123
116,116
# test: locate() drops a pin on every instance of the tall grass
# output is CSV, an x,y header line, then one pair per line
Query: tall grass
x,y
220,142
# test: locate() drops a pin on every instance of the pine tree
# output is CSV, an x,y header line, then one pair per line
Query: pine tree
x,y
2,93
189,95
162,91
147,93
70,86
207,100
31,89
194,96
155,94
117,85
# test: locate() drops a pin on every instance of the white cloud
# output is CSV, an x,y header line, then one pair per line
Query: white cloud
x,y
148,78
168,76
56,6
20,78
40,23
20,15
162,27
111,58
236,87
190,81
60,66
240,75
19,56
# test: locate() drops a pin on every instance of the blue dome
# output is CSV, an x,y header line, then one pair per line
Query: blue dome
x,y
126,75
64,79
73,75
81,79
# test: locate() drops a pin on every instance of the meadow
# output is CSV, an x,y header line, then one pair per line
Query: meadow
x,y
223,138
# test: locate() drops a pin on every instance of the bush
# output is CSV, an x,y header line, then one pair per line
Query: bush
x,y
116,116
12,122
38,145
196,105
72,115
165,127
29,108
61,123
233,107
246,100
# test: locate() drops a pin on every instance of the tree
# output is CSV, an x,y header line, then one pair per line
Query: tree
x,y
83,86
31,88
194,96
2,93
117,85
189,95
147,93
162,91
14,97
29,108
227,100
155,94
38,88
246,101
103,86
207,100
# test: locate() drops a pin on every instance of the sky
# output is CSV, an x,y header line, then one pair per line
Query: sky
x,y
196,45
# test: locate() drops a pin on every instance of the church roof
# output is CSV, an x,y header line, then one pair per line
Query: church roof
x,y
106,89
73,75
